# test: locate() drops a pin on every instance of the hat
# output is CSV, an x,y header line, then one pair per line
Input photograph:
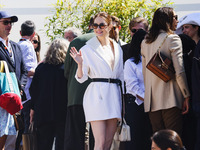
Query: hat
x,y
193,18
4,14
11,102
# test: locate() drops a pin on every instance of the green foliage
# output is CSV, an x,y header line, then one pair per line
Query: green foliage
x,y
77,13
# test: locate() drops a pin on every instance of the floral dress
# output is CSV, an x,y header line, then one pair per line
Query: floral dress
x,y
7,126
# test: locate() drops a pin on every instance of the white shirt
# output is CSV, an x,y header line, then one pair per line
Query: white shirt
x,y
30,61
134,79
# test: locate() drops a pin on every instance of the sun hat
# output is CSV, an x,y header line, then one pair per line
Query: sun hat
x,y
193,19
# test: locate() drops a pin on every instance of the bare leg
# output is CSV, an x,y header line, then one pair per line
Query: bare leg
x,y
111,127
103,132
99,132
2,142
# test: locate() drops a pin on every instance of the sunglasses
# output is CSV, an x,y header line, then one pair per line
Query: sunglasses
x,y
134,30
114,27
101,25
6,22
175,17
35,41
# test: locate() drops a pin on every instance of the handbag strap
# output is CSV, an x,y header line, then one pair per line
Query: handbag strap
x,y
8,76
162,43
159,50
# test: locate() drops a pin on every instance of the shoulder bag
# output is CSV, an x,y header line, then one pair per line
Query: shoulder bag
x,y
10,98
161,65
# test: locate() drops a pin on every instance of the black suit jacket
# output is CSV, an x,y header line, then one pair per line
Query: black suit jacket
x,y
18,66
196,79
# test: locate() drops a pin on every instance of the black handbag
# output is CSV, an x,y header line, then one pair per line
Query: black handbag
x,y
161,65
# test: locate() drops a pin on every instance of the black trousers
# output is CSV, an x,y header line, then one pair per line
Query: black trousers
x,y
197,145
46,134
75,128
139,124
189,130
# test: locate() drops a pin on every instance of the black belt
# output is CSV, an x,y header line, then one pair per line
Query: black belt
x,y
116,81
109,80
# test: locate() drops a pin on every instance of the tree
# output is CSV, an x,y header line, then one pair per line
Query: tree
x,y
78,13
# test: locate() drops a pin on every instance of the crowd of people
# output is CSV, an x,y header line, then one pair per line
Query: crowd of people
x,y
83,78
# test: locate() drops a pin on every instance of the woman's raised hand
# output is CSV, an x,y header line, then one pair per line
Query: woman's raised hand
x,y
77,56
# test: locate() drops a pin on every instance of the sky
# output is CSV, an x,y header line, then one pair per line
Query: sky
x,y
37,10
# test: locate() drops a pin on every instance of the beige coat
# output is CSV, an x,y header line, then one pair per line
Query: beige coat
x,y
158,94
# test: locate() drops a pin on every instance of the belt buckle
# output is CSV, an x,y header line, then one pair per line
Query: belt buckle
x,y
109,80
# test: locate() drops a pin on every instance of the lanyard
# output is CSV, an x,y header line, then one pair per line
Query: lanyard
x,y
9,52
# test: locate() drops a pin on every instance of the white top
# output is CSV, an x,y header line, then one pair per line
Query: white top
x,y
30,61
134,79
108,55
102,100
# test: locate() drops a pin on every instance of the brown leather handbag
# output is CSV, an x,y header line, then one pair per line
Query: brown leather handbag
x,y
161,65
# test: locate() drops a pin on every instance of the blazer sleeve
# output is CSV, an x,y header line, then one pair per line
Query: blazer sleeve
x,y
143,60
177,58
20,66
121,75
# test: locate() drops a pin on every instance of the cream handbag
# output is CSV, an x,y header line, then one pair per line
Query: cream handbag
x,y
123,132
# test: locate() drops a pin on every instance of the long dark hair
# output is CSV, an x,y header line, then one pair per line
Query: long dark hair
x,y
135,47
37,50
162,20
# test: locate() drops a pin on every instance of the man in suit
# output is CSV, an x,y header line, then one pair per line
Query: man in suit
x,y
11,53
75,121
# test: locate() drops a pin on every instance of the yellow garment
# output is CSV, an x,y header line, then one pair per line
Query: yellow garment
x,y
1,66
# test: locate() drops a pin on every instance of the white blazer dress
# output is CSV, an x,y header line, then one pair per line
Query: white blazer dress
x,y
102,100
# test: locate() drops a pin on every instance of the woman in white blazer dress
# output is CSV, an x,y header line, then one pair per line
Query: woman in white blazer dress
x,y
101,57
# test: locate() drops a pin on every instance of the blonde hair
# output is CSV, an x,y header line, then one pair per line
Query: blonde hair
x,y
57,51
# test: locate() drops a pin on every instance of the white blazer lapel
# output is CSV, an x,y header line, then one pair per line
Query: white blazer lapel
x,y
117,53
98,49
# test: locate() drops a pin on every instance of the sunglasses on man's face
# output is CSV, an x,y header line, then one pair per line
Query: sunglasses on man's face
x,y
114,27
101,25
35,41
134,30
6,22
